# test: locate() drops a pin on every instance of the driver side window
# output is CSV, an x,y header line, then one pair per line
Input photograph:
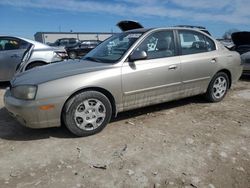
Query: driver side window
x,y
158,45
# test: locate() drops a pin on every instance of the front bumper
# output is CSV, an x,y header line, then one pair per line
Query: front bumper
x,y
29,114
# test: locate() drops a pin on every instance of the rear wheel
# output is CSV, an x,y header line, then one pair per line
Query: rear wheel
x,y
87,113
218,87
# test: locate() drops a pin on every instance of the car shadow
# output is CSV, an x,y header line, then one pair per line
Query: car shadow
x,y
245,78
10,129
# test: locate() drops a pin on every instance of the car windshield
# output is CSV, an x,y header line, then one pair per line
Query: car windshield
x,y
112,49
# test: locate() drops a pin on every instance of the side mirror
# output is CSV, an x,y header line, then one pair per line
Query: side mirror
x,y
138,55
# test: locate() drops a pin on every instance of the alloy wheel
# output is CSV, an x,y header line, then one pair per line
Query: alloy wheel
x,y
220,87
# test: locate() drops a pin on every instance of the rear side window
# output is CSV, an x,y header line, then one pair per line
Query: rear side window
x,y
72,41
24,45
194,42
64,42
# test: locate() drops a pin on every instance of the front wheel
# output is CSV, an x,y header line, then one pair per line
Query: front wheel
x,y
218,87
87,113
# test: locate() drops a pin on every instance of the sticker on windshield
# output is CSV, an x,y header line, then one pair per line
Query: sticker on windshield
x,y
134,35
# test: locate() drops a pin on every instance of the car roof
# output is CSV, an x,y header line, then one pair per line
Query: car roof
x,y
67,38
191,26
144,30
134,26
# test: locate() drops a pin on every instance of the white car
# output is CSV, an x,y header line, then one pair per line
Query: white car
x,y
20,54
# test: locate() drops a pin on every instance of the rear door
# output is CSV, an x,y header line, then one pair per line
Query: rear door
x,y
198,61
11,53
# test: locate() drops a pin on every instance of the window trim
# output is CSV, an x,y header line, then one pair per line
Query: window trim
x,y
206,39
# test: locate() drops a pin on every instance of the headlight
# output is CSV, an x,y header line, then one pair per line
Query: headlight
x,y
26,92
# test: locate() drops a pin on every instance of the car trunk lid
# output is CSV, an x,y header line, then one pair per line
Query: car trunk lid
x,y
127,25
241,38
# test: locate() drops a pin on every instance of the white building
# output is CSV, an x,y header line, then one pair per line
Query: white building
x,y
50,37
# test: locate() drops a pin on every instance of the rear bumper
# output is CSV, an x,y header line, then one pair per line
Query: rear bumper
x,y
29,114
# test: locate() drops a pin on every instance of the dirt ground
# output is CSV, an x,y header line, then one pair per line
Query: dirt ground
x,y
187,143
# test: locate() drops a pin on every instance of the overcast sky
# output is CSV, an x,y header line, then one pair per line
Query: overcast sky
x,y
26,17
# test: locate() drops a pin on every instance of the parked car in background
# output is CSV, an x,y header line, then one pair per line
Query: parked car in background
x,y
20,54
129,70
242,45
66,42
74,47
82,49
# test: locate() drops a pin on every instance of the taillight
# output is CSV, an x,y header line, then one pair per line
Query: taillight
x,y
62,54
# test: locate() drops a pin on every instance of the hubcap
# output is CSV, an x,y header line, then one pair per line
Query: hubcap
x,y
219,87
90,114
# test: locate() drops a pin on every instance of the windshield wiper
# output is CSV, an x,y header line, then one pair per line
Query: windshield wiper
x,y
93,59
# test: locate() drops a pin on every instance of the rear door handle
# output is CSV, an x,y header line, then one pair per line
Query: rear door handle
x,y
172,67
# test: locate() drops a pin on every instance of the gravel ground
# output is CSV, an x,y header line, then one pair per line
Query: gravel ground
x,y
186,143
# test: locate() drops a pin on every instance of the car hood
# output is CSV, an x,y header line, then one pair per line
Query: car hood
x,y
241,38
55,71
127,25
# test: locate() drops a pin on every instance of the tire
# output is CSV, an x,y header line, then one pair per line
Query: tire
x,y
218,87
72,55
33,65
87,113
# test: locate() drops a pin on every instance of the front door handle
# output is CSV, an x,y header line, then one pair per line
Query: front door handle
x,y
213,60
172,67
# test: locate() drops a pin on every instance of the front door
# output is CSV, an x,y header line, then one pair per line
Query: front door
x,y
155,79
